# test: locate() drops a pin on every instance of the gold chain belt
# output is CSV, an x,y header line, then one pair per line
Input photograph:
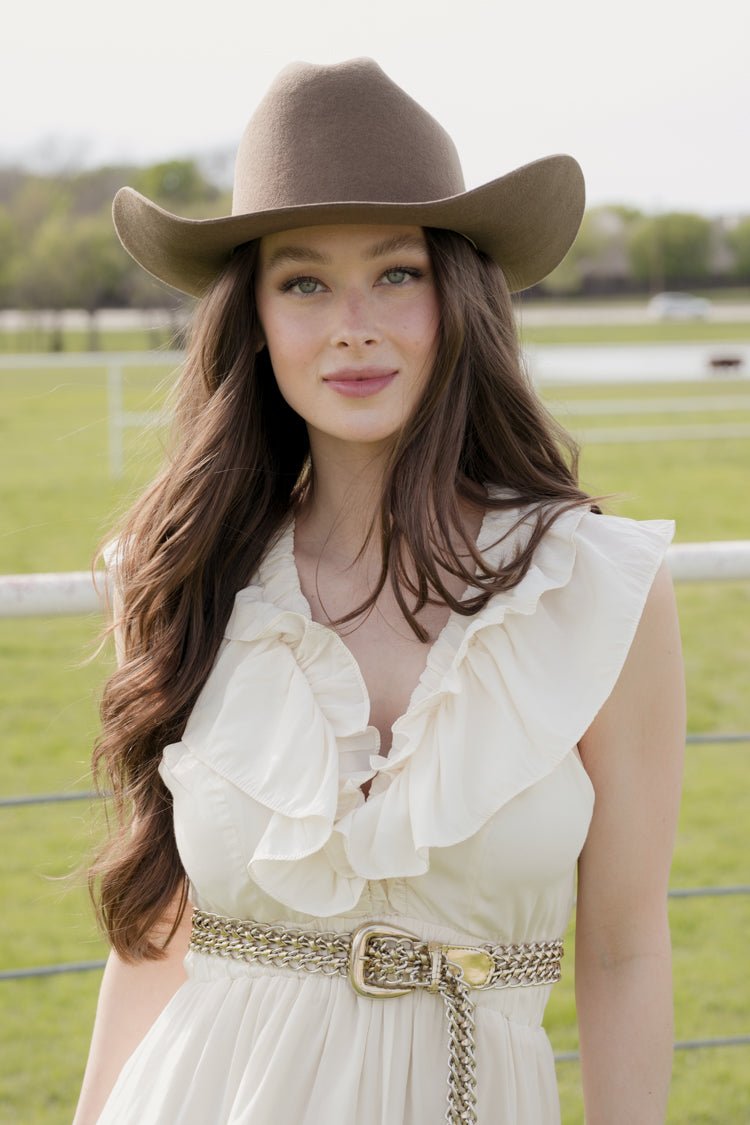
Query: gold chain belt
x,y
381,960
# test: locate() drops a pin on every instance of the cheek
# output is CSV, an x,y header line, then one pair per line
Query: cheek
x,y
289,343
422,329
293,355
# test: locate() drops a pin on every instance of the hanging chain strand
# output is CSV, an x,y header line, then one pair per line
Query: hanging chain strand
x,y
394,960
462,1080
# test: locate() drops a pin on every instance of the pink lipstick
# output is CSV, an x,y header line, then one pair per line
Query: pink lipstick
x,y
360,382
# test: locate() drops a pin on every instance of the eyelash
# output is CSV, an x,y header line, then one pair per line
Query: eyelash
x,y
410,271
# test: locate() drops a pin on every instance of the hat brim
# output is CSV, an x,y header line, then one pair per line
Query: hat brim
x,y
526,221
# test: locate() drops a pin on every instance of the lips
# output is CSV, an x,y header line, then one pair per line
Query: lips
x,y
360,382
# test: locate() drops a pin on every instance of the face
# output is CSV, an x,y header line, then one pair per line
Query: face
x,y
350,317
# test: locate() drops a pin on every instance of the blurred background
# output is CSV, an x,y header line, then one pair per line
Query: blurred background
x,y
652,99
639,342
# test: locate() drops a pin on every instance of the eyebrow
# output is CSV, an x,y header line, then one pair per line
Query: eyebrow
x,y
296,254
392,245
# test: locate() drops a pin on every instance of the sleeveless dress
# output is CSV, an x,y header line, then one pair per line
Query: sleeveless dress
x,y
470,834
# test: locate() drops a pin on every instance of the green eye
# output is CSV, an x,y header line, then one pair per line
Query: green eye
x,y
307,285
395,277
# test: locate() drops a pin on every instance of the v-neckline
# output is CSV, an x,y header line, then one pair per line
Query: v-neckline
x,y
285,547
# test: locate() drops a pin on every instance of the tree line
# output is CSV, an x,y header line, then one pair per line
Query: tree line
x,y
58,249
622,250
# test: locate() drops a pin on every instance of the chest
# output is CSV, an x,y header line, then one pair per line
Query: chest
x,y
390,657
391,661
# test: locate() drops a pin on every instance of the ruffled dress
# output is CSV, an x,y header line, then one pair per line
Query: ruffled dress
x,y
470,834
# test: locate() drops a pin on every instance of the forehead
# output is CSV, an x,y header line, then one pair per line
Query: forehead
x,y
327,243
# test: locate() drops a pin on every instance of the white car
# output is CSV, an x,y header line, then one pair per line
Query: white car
x,y
678,306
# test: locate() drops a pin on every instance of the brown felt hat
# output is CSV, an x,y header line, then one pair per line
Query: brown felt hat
x,y
345,144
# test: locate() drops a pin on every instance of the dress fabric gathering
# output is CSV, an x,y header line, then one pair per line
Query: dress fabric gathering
x,y
470,834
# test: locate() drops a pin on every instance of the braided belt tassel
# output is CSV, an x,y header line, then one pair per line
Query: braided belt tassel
x,y
462,1079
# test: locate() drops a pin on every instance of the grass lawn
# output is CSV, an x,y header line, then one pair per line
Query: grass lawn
x,y
58,498
656,332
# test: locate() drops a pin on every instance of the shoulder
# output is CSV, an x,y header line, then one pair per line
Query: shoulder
x,y
609,536
657,638
646,707
623,566
592,571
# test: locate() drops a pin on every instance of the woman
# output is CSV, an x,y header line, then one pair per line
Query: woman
x,y
378,653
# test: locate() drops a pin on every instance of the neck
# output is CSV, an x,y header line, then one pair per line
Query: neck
x,y
344,498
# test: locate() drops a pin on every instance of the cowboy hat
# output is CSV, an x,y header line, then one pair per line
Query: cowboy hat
x,y
345,144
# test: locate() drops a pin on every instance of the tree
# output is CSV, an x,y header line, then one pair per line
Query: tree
x,y
97,269
9,244
37,199
598,255
738,238
671,249
91,191
72,263
176,184
40,279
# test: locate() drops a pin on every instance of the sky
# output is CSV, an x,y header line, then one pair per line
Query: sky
x,y
651,96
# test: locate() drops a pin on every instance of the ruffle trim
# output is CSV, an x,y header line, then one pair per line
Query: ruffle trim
x,y
504,697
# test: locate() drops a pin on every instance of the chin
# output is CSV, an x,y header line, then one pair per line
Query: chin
x,y
360,431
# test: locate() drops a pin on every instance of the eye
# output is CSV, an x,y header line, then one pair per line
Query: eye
x,y
399,274
305,286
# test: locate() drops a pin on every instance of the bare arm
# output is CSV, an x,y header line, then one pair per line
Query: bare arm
x,y
131,998
633,753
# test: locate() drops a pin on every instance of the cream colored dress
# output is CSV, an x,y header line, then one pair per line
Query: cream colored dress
x,y
470,833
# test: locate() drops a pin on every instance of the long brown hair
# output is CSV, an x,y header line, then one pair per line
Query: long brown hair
x,y
238,464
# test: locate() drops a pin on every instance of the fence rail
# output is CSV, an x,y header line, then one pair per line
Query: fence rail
x,y
679,1045
700,739
549,364
76,592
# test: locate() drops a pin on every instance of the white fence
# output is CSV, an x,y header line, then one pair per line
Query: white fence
x,y
549,364
67,594
114,364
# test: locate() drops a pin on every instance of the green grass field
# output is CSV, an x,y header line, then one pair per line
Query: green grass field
x,y
656,332
57,499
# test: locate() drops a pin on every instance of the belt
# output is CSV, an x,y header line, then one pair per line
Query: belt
x,y
381,960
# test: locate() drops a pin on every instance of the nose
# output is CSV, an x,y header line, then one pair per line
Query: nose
x,y
354,323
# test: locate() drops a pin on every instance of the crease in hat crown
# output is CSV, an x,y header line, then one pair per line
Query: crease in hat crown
x,y
344,143
395,151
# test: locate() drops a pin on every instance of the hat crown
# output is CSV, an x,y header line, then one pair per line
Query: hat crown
x,y
342,133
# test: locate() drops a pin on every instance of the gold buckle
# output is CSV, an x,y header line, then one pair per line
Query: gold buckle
x,y
358,952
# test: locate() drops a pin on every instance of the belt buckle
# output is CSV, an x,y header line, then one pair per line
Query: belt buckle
x,y
358,953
